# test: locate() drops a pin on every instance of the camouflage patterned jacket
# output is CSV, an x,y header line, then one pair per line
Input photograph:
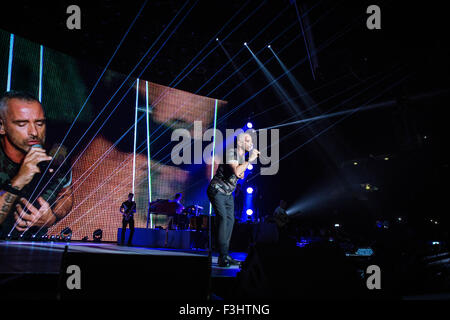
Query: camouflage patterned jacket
x,y
9,169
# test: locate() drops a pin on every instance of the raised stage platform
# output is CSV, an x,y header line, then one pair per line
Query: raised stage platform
x,y
42,270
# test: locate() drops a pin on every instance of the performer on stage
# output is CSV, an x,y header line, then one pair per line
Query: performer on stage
x,y
220,193
280,215
128,208
23,160
177,200
173,219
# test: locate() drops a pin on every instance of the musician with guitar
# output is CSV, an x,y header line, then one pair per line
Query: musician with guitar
x,y
280,215
128,208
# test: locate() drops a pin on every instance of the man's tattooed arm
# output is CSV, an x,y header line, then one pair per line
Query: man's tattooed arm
x,y
6,203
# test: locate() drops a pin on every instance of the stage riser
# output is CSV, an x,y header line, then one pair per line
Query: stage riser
x,y
158,238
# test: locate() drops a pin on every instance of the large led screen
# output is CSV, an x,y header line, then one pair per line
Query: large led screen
x,y
102,155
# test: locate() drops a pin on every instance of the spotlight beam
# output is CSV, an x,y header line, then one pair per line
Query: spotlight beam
x,y
382,79
278,88
384,104
231,59
306,98
335,123
326,43
273,40
305,40
347,89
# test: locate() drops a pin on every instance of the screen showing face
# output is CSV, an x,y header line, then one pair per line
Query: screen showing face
x,y
107,139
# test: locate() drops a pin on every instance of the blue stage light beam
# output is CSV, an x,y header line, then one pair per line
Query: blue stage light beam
x,y
214,147
10,61
41,70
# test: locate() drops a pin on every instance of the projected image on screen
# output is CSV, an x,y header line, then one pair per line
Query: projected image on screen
x,y
106,152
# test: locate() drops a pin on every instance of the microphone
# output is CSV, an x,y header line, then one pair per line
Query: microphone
x,y
57,155
43,164
260,155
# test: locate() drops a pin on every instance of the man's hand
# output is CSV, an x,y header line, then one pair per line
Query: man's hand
x,y
36,217
241,176
29,167
254,154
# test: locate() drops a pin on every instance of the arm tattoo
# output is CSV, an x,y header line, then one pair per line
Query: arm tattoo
x,y
6,207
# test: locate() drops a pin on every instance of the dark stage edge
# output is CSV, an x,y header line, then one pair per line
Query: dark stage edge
x,y
36,266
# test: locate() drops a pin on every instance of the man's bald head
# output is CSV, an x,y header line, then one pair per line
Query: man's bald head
x,y
20,95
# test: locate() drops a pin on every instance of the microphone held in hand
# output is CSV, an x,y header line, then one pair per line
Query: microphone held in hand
x,y
41,180
43,164
57,152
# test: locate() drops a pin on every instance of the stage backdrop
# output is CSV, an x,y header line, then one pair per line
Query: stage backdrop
x,y
100,145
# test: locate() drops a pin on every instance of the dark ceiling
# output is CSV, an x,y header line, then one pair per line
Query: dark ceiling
x,y
354,66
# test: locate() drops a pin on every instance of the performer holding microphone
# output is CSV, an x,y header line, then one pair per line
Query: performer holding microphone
x,y
22,162
220,193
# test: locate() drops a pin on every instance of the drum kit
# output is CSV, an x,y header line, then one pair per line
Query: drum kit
x,y
192,218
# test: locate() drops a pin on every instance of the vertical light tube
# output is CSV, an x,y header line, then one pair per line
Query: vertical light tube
x,y
10,61
214,148
41,69
148,152
135,134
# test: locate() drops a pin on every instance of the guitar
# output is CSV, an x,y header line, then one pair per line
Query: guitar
x,y
126,211
282,219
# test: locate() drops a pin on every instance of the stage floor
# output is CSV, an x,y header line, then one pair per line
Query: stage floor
x,y
27,257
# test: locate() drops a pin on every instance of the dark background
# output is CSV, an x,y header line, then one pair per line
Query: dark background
x,y
359,67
